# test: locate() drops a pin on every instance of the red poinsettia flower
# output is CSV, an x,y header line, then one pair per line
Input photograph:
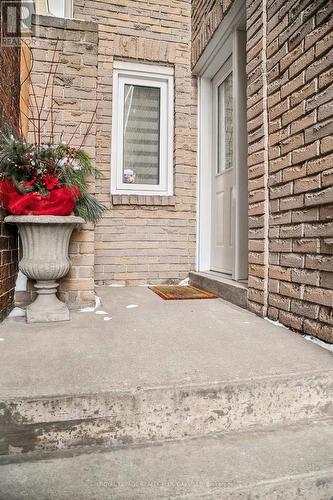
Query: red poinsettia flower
x,y
29,183
50,182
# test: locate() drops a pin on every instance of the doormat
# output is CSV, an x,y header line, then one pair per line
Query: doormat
x,y
181,292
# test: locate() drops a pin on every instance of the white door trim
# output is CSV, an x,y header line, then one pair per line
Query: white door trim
x,y
216,53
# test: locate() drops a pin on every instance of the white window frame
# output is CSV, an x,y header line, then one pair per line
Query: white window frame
x,y
68,9
162,77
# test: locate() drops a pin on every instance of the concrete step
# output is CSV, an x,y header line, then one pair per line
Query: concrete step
x,y
226,288
286,463
162,413
157,370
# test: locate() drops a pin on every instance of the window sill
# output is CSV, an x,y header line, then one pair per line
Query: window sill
x,y
147,200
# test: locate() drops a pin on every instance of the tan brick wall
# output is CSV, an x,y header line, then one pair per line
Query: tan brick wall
x,y
300,92
145,239
207,16
290,161
289,67
75,96
258,178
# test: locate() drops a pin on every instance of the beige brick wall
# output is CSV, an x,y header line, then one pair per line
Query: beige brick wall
x,y
207,16
300,78
258,178
289,67
145,239
75,96
290,164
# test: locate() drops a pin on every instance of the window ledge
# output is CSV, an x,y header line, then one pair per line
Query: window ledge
x,y
148,200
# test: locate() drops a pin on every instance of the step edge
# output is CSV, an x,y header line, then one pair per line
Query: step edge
x,y
186,386
44,455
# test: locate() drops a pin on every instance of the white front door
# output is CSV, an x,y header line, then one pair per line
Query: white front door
x,y
223,176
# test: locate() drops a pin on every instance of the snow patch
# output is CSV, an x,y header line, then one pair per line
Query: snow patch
x,y
116,285
276,323
21,282
107,318
321,343
131,306
1,340
87,309
185,282
17,312
100,312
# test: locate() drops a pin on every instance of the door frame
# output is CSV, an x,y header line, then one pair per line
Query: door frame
x,y
229,38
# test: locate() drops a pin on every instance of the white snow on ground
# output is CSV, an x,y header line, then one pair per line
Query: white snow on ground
x,y
185,282
117,285
276,323
131,306
321,343
21,282
16,313
1,340
328,347
87,310
96,310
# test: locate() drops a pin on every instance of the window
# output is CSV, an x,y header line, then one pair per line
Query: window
x,y
225,125
142,129
60,8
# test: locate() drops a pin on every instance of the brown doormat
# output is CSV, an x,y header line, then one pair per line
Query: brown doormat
x,y
181,292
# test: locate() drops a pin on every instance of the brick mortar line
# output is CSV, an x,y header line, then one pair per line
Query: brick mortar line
x,y
266,158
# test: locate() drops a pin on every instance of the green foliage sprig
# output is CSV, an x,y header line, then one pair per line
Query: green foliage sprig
x,y
43,167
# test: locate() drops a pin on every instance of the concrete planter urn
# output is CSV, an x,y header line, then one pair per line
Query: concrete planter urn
x,y
45,242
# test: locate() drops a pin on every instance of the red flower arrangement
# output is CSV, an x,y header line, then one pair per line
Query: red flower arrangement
x,y
57,202
46,177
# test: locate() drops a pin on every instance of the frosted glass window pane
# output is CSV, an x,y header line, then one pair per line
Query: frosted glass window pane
x,y
57,7
141,151
225,125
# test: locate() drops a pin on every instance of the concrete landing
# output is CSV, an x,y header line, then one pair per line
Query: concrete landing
x,y
157,370
289,463
154,344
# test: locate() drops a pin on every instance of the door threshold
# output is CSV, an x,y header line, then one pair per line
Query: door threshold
x,y
224,276
223,285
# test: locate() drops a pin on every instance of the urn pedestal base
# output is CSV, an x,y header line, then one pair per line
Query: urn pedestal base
x,y
47,307
45,241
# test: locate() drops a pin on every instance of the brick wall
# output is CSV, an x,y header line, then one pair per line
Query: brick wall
x,y
207,16
75,102
257,127
145,239
300,78
9,115
289,67
290,174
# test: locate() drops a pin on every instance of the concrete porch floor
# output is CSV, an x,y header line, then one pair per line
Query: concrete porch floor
x,y
156,343
184,399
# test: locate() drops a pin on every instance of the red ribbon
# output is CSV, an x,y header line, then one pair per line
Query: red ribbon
x,y
59,201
